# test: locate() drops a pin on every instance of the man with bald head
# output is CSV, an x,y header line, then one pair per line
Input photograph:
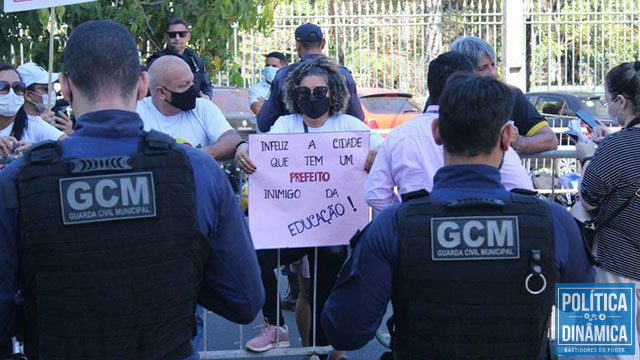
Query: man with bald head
x,y
175,109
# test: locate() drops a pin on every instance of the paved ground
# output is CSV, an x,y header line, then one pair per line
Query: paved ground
x,y
224,335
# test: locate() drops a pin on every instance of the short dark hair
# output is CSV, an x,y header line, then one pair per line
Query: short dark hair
x,y
624,80
306,45
473,110
175,21
278,55
442,67
101,56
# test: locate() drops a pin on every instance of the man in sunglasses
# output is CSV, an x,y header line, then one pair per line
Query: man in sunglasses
x,y
309,45
177,36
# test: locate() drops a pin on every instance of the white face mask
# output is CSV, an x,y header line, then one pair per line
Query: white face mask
x,y
270,73
10,103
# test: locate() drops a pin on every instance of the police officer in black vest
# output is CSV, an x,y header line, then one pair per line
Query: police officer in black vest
x,y
177,37
470,269
113,235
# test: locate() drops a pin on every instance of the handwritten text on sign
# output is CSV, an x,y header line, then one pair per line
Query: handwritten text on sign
x,y
22,5
308,188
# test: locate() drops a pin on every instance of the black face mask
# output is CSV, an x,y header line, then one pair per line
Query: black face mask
x,y
314,107
184,101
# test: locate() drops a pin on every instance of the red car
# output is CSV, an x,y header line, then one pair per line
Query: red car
x,y
386,109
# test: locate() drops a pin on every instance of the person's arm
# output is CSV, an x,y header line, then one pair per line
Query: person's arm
x,y
354,108
355,308
542,140
205,87
272,108
8,260
255,100
513,175
378,189
232,285
225,147
534,134
572,257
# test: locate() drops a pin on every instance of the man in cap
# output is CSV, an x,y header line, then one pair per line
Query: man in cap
x,y
309,45
113,235
260,92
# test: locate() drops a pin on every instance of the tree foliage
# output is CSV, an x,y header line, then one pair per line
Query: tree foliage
x,y
214,23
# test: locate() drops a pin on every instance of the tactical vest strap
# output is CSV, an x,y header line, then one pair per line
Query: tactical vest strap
x,y
155,143
414,195
44,152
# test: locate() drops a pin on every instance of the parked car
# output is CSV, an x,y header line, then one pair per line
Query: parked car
x,y
386,108
234,104
560,106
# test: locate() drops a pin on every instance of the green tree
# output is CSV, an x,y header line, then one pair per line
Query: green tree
x,y
214,23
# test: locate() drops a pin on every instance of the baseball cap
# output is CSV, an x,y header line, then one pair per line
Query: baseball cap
x,y
308,33
32,73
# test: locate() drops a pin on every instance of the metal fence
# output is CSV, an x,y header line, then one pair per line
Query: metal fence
x,y
571,44
385,43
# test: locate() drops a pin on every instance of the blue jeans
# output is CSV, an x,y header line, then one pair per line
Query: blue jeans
x,y
200,328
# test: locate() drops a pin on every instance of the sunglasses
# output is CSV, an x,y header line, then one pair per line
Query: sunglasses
x,y
18,87
318,91
173,34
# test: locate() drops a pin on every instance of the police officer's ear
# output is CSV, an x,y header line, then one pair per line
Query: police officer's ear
x,y
507,133
322,43
435,129
143,85
65,87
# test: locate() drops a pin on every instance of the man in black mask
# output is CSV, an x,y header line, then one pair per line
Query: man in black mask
x,y
174,108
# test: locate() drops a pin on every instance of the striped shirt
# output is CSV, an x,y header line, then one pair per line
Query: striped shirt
x,y
609,181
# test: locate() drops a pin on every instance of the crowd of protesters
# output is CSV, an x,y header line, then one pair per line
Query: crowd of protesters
x,y
464,146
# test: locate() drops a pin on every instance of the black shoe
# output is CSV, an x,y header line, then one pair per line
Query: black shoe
x,y
288,303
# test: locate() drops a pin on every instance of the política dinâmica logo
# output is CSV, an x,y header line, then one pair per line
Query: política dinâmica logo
x,y
595,319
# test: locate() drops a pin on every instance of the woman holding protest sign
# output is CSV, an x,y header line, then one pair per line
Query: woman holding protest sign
x,y
611,185
18,130
316,95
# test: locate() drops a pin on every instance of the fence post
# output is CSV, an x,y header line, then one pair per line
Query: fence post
x,y
513,56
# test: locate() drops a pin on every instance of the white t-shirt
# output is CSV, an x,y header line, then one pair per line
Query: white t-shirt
x,y
37,130
335,123
199,127
261,89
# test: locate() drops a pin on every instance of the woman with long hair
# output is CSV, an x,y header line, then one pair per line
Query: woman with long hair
x,y
18,131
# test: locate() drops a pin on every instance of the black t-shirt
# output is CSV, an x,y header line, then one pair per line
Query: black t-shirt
x,y
525,116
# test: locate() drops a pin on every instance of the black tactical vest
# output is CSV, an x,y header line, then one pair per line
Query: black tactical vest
x,y
460,291
112,258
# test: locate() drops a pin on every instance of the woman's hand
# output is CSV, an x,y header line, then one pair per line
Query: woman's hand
x,y
49,117
23,146
585,149
7,144
243,160
599,133
370,159
63,123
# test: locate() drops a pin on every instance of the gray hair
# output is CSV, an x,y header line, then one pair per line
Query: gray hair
x,y
319,66
473,47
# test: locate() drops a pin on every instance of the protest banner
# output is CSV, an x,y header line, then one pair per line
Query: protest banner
x,y
22,5
307,189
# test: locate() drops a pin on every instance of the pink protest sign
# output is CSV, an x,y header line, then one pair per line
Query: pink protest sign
x,y
308,188
22,5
